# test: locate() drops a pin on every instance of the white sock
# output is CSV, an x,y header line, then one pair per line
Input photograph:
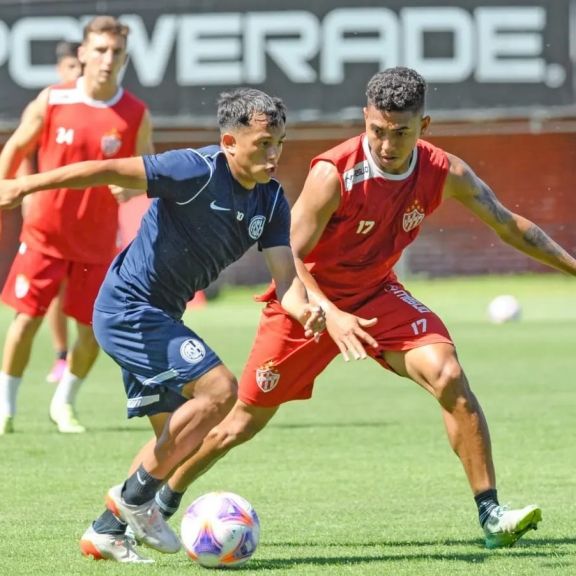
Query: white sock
x,y
66,390
8,392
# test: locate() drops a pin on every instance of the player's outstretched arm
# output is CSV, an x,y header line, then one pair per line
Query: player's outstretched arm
x,y
311,213
464,185
291,292
125,172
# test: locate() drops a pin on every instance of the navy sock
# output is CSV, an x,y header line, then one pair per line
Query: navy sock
x,y
486,502
140,487
107,523
168,501
62,354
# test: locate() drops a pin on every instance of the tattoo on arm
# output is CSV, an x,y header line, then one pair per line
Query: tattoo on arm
x,y
488,201
536,237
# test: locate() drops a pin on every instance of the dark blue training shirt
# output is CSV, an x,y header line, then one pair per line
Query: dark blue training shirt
x,y
201,221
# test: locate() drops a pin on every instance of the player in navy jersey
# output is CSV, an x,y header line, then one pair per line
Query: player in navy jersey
x,y
210,206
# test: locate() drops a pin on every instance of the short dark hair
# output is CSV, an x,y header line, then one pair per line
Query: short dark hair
x,y
397,89
106,24
238,107
66,49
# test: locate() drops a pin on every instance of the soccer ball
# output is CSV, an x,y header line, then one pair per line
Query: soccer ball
x,y
504,308
220,529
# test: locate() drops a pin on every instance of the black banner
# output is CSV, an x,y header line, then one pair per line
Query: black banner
x,y
476,54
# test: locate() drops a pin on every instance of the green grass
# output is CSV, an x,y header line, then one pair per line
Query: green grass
x,y
358,481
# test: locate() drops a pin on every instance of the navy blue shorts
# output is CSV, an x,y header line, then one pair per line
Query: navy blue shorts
x,y
158,356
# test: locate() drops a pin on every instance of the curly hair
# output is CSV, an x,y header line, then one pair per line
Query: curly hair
x,y
397,89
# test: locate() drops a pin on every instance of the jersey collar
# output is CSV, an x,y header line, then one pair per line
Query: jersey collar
x,y
97,103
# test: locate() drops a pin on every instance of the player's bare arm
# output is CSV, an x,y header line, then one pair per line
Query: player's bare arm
x,y
25,138
291,292
144,145
125,172
311,213
464,185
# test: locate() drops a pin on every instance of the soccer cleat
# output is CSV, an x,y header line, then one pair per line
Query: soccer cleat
x,y
65,418
146,521
117,547
55,374
504,527
6,425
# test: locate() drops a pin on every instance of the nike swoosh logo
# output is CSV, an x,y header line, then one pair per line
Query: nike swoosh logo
x,y
215,206
140,481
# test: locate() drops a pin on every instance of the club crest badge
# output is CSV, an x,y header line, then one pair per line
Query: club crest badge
x,y
413,216
111,143
267,377
192,351
21,286
256,227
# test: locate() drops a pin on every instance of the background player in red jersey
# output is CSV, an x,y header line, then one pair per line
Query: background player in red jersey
x,y
363,202
69,236
69,70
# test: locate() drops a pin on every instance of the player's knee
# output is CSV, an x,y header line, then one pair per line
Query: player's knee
x,y
233,432
25,326
223,394
451,387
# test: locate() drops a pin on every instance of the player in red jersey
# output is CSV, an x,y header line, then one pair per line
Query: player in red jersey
x,y
69,236
363,202
69,70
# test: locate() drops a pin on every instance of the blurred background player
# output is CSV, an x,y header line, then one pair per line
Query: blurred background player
x,y
211,205
68,65
69,70
362,204
69,237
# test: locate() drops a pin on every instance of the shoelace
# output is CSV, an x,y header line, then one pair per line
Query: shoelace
x,y
128,544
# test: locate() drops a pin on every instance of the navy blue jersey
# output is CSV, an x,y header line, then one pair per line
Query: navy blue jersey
x,y
201,220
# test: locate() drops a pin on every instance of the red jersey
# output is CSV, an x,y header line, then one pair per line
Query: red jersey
x,y
378,216
81,225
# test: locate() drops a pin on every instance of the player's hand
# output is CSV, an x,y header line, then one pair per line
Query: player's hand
x,y
123,194
314,321
347,331
10,196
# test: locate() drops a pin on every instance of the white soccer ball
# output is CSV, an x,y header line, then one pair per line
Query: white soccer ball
x,y
504,308
220,529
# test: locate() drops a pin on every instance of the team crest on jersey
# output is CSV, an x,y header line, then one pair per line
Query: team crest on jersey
x,y
256,227
413,216
267,377
111,143
192,351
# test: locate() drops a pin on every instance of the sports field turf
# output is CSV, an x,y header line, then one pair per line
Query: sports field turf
x,y
358,481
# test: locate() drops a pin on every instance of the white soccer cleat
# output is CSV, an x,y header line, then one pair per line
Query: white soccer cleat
x,y
117,547
146,520
65,419
504,527
6,425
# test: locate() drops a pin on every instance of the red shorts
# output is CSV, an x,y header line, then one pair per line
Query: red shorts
x,y
283,363
35,279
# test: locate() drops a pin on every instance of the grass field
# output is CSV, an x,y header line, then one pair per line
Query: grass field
x,y
358,481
